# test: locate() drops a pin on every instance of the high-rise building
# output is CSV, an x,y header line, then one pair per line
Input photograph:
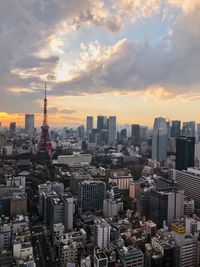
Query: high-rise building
x,y
103,136
185,152
102,234
135,132
12,127
188,129
176,129
91,195
56,211
198,131
189,181
193,127
166,205
68,201
81,131
143,201
89,124
112,129
93,138
112,207
29,124
168,124
3,140
159,140
101,123
123,134
143,133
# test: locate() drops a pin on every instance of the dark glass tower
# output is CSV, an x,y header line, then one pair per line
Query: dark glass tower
x,y
185,150
135,132
101,123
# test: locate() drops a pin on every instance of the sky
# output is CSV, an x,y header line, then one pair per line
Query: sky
x,y
136,59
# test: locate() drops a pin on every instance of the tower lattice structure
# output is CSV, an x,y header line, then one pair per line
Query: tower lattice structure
x,y
45,142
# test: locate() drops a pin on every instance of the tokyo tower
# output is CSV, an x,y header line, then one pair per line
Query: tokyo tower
x,y
45,145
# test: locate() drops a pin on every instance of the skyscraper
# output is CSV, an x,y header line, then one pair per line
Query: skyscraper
x,y
101,123
176,129
12,127
135,132
189,129
185,150
3,139
166,205
112,129
143,133
123,134
193,127
89,124
81,131
29,123
159,140
168,124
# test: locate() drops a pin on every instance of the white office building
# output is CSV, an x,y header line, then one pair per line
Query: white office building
x,y
189,181
75,160
102,234
188,249
68,201
112,207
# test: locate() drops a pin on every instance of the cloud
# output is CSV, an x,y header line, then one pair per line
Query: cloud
x,y
55,110
185,5
67,111
52,110
172,65
31,45
31,42
99,15
137,8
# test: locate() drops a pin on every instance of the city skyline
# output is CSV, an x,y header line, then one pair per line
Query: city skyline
x,y
39,117
154,44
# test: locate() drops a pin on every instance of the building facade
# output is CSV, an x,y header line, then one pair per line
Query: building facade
x,y
159,140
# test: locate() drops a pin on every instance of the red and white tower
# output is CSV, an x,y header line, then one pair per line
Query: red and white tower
x,y
45,145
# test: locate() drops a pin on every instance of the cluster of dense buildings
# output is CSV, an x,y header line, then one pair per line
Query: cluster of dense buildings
x,y
15,236
100,210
